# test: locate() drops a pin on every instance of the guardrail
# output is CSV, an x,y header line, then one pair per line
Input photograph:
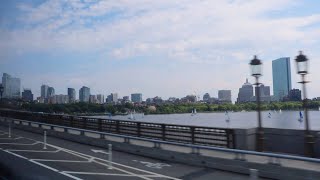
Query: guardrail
x,y
218,137
239,154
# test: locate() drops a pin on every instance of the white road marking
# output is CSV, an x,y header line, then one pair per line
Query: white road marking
x,y
89,158
11,138
16,154
106,174
59,160
43,165
70,176
153,165
33,151
20,144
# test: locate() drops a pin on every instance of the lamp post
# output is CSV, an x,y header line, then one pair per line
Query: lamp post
x,y
256,71
302,69
1,91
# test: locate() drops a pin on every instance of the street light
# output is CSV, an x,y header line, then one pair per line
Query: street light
x,y
302,69
256,71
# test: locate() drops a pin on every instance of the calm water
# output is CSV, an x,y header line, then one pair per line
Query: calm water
x,y
285,119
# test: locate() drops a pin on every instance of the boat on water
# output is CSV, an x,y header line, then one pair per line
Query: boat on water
x,y
132,115
193,112
280,111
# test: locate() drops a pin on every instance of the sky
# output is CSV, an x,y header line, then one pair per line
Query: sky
x,y
155,47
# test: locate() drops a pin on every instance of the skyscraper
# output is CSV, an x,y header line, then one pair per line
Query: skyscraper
x,y
206,97
84,94
100,98
51,92
11,86
136,98
44,91
27,95
72,95
245,92
281,77
224,95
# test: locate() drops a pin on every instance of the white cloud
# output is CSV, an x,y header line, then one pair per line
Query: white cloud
x,y
223,34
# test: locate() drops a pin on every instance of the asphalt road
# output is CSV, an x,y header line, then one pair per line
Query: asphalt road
x,y
23,157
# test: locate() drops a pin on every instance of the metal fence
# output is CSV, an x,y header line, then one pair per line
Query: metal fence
x,y
167,132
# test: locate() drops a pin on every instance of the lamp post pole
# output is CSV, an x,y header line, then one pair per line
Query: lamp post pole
x,y
256,71
302,69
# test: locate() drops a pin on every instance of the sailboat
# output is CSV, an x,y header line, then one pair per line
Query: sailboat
x,y
280,111
319,108
131,115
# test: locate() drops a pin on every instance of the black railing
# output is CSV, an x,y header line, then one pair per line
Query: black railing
x,y
178,133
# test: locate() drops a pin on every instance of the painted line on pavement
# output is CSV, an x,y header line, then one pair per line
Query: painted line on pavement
x,y
59,160
70,176
20,144
32,151
16,154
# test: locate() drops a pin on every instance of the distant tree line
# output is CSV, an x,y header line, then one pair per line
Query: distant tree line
x,y
88,108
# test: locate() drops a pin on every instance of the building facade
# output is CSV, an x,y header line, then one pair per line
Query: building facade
x,y
206,97
281,73
224,95
100,99
44,91
51,92
72,95
11,86
84,94
59,99
136,98
245,92
27,95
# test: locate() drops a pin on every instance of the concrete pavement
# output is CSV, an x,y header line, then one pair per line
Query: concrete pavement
x,y
24,157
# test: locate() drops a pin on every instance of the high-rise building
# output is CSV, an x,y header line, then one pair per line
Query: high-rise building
x,y
136,98
51,92
59,99
84,94
93,99
294,95
100,98
11,86
72,95
245,92
44,91
264,90
281,77
27,95
206,97
224,95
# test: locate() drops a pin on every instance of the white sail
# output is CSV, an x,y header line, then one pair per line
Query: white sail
x,y
195,111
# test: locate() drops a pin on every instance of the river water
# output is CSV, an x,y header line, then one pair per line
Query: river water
x,y
243,120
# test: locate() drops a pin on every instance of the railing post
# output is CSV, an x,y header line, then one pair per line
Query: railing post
x,y
138,129
71,121
99,125
192,135
228,138
84,124
163,131
118,127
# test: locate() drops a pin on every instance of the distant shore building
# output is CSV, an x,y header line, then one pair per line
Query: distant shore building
x,y
44,91
113,98
72,95
294,95
84,94
100,99
245,92
224,96
281,72
59,99
27,95
136,98
206,97
11,87
93,99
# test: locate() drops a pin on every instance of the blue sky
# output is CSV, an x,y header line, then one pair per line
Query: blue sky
x,y
159,48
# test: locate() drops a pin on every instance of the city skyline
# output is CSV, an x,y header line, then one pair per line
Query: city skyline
x,y
152,48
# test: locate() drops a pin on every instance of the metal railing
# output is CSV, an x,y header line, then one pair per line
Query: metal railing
x,y
197,135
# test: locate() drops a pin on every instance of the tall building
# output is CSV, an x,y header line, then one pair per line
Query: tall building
x,y
27,95
281,77
100,98
44,91
224,95
51,92
264,90
84,94
294,95
93,99
136,98
206,97
59,99
72,95
245,92
11,86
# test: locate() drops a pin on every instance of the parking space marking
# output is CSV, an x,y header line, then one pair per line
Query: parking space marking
x,y
11,138
88,159
59,160
20,144
34,151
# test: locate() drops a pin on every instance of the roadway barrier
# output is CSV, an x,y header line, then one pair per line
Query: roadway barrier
x,y
218,137
265,164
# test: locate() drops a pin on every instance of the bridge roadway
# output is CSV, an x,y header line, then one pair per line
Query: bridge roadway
x,y
22,157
